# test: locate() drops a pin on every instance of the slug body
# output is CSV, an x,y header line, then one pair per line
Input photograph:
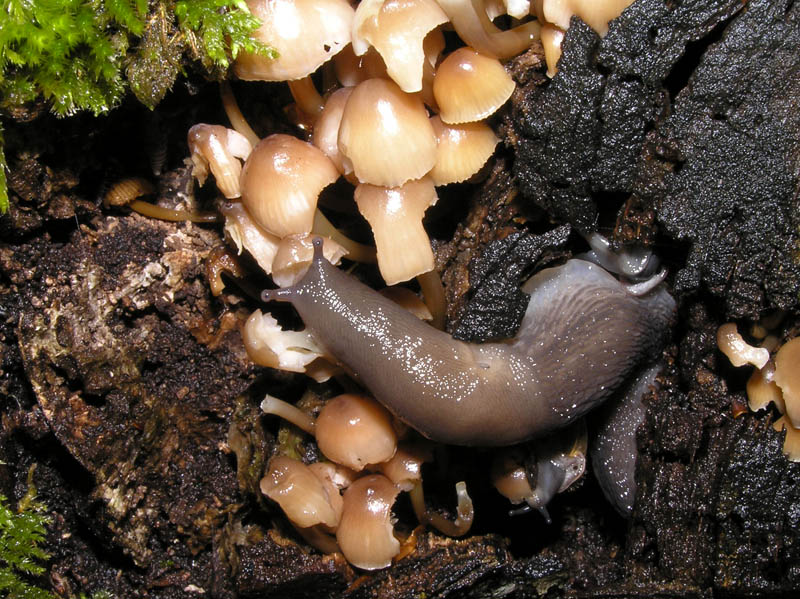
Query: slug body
x,y
582,335
614,449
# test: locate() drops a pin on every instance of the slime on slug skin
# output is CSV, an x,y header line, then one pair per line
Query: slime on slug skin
x,y
584,333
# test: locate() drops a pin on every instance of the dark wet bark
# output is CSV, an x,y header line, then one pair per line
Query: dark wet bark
x,y
125,383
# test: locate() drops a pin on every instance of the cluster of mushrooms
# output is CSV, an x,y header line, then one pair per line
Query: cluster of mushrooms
x,y
400,119
345,504
774,381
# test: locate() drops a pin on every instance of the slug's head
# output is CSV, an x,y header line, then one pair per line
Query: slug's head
x,y
316,272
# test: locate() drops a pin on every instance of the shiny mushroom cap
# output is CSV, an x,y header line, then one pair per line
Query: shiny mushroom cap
x,y
405,467
326,127
385,136
305,33
281,182
355,430
461,150
397,28
469,86
365,532
217,148
595,13
294,256
302,495
787,377
395,215
246,234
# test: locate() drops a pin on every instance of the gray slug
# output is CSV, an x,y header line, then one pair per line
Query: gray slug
x,y
583,333
614,449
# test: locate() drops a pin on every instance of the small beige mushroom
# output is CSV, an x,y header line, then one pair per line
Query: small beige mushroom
x,y
294,256
385,136
762,392
281,182
352,70
461,150
469,86
246,234
395,215
326,127
305,33
471,22
301,494
787,377
738,351
217,147
595,13
510,478
791,443
365,533
404,469
396,29
355,431
267,344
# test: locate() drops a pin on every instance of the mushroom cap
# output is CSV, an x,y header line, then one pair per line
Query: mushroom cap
x,y
395,215
509,477
592,12
365,533
326,127
306,34
791,443
294,256
396,29
469,86
246,234
787,377
355,430
281,182
761,392
301,494
461,150
385,135
267,344
352,70
405,467
218,147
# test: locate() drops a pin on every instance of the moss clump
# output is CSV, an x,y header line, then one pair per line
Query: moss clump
x,y
21,556
82,54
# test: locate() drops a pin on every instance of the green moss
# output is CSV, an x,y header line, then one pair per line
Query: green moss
x,y
21,534
83,55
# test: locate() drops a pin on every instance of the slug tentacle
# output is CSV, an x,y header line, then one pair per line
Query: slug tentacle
x,y
582,335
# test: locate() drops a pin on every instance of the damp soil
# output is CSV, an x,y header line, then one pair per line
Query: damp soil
x,y
126,392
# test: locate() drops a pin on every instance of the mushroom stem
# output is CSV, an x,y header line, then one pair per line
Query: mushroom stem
x,y
278,407
171,214
320,540
306,96
452,528
235,116
433,293
472,24
356,252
